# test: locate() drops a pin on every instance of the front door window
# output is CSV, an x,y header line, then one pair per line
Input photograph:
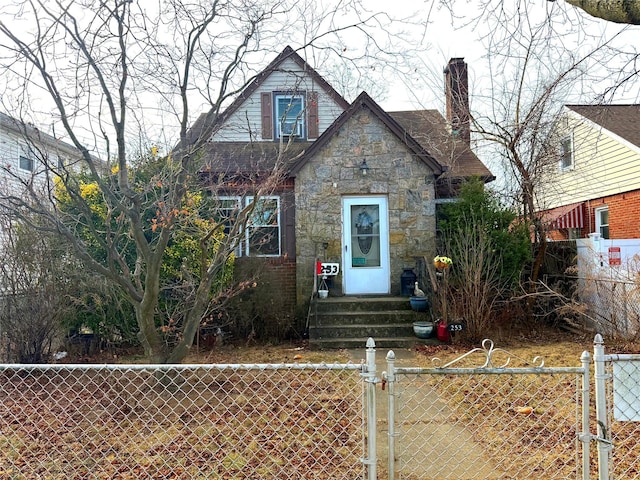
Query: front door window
x,y
365,236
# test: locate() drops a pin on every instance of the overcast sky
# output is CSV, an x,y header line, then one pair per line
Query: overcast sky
x,y
460,35
437,35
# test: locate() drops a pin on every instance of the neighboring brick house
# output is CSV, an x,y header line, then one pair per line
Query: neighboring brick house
x,y
359,185
595,187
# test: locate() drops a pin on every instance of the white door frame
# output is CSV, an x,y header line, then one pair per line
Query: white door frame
x,y
366,263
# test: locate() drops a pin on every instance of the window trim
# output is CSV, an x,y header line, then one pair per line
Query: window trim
x,y
238,201
247,238
599,225
244,247
300,119
564,166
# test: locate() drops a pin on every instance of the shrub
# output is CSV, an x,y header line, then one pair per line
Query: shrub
x,y
489,251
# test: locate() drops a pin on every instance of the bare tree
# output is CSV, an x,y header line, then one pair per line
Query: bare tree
x,y
533,75
118,73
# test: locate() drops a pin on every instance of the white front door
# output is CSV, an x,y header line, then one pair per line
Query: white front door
x,y
365,245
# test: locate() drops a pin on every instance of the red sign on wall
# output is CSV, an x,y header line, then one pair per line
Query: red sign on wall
x,y
614,256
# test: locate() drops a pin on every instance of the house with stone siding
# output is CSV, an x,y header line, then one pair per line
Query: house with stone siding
x,y
595,186
356,186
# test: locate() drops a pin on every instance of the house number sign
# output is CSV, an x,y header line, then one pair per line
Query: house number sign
x,y
327,269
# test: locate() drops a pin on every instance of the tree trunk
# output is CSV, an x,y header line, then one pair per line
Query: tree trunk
x,y
618,11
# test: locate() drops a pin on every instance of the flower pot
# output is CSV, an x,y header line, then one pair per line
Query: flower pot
x,y
423,329
419,304
323,293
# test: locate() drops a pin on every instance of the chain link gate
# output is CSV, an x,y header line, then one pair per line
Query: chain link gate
x,y
617,387
488,420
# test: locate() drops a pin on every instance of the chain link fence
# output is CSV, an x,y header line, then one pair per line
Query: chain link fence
x,y
613,306
488,422
621,430
479,416
181,422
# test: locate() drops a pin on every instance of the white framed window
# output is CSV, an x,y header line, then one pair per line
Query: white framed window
x,y
263,234
227,209
289,113
602,221
566,153
26,163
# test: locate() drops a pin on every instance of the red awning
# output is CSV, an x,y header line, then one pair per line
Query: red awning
x,y
570,216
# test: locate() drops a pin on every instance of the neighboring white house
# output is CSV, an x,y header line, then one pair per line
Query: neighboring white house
x,y
595,185
27,155
592,195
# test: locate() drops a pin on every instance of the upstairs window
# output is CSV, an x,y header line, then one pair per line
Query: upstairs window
x,y
26,163
286,115
566,153
289,114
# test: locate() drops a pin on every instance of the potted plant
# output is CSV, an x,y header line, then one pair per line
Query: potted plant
x,y
420,303
423,329
442,265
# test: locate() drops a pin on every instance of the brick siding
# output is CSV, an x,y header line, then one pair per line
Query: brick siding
x,y
624,215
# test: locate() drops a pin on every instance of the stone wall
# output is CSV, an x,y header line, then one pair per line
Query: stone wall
x,y
335,172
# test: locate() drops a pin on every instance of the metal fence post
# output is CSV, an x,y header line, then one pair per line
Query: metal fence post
x,y
600,378
390,377
370,380
585,436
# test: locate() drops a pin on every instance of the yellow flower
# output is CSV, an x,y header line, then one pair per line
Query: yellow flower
x,y
442,262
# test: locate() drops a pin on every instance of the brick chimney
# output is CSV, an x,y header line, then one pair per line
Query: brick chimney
x,y
456,90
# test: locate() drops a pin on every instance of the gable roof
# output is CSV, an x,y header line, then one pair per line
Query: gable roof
x,y
210,119
429,128
621,120
34,134
365,101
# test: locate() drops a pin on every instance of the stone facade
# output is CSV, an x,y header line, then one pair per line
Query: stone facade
x,y
334,172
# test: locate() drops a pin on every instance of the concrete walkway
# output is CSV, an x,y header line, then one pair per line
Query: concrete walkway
x,y
437,447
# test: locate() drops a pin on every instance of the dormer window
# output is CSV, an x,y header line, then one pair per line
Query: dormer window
x,y
289,114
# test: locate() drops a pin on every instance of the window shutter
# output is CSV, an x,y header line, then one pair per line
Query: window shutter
x,y
267,115
312,108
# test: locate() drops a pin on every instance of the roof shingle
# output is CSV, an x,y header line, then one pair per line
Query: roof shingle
x,y
622,120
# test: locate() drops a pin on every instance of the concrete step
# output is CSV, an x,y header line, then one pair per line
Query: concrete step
x,y
382,317
347,322
364,330
362,304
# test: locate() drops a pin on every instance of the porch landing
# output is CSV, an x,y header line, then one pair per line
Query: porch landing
x,y
347,322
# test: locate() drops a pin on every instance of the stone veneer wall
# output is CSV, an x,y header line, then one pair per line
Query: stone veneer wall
x,y
335,172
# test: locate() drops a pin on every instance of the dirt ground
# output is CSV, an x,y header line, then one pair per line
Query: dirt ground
x,y
559,348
